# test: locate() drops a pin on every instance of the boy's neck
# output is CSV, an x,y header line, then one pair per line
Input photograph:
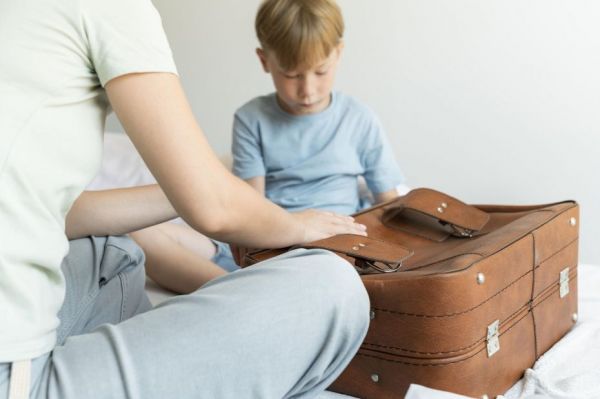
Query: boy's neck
x,y
320,109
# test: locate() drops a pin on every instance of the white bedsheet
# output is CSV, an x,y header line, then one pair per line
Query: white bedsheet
x,y
570,369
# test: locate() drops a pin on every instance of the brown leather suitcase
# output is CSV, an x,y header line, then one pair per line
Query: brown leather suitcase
x,y
463,298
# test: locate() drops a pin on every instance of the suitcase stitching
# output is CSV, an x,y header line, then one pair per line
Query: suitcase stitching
x,y
544,292
509,244
482,303
457,313
438,364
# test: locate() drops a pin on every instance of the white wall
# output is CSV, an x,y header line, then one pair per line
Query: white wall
x,y
492,101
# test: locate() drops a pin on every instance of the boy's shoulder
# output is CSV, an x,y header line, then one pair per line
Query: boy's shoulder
x,y
265,108
352,105
256,107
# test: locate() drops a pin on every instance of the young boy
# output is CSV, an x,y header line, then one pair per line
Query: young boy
x,y
305,145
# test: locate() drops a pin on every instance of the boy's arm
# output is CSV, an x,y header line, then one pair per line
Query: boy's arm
x,y
386,196
258,183
247,153
382,173
175,258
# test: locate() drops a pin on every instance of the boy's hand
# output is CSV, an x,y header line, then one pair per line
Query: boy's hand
x,y
322,224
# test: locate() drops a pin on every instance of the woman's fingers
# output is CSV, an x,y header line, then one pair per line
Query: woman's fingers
x,y
347,222
324,224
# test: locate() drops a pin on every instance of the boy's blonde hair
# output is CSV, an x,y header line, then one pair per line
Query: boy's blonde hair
x,y
299,32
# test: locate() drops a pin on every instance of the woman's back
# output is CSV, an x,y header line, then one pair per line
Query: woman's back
x,y
56,56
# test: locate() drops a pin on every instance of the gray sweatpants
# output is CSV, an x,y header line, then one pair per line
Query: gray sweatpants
x,y
282,329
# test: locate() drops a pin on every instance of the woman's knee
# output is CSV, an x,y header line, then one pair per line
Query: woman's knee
x,y
333,283
316,285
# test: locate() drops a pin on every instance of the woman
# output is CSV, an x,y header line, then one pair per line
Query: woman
x,y
283,329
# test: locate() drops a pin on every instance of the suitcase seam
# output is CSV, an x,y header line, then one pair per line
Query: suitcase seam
x,y
457,313
439,364
479,341
533,287
480,304
544,292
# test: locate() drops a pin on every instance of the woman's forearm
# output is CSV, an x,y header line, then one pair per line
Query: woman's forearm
x,y
157,117
249,220
252,221
118,211
204,193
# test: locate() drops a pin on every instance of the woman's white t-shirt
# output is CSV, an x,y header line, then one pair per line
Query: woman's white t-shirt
x,y
56,57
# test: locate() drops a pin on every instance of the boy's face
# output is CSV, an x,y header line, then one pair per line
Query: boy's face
x,y
303,90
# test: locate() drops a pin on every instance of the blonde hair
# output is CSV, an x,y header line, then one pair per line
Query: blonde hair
x,y
299,32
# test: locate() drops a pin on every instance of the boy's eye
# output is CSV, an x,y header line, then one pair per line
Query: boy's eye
x,y
291,76
321,73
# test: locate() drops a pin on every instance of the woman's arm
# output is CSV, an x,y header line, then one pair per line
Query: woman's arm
x,y
155,113
257,183
118,211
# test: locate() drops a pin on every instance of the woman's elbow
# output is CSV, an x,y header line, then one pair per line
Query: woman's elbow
x,y
214,222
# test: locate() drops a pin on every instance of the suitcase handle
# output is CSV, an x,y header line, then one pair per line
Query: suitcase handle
x,y
464,220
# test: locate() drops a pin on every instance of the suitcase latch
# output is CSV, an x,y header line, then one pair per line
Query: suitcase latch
x,y
461,231
564,282
493,341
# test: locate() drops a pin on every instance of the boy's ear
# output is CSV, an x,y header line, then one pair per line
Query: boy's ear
x,y
339,48
262,56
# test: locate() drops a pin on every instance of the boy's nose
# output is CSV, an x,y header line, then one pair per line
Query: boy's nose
x,y
307,87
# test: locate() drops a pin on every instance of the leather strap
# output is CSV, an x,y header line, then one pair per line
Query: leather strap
x,y
363,248
20,379
464,219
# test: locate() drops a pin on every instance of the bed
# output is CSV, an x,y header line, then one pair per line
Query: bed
x,y
569,370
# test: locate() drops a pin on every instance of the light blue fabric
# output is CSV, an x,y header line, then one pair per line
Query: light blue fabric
x,y
283,329
313,161
223,256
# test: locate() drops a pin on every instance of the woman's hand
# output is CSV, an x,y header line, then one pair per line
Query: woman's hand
x,y
322,224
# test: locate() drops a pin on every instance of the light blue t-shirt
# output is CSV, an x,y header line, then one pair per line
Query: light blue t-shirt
x,y
313,161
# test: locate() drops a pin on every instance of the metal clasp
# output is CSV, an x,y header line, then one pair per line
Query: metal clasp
x,y
365,266
457,231
493,341
461,231
564,282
